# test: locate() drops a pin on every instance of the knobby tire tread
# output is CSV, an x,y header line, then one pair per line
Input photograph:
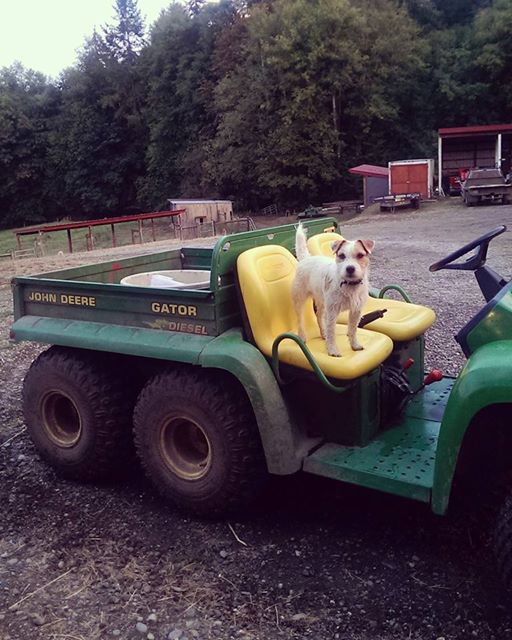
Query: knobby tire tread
x,y
110,403
231,409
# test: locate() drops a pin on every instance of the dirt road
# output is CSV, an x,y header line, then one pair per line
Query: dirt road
x,y
312,560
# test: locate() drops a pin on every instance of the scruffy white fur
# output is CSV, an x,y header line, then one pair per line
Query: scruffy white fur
x,y
327,281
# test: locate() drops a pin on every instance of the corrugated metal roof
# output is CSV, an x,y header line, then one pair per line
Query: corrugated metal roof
x,y
82,224
370,170
476,129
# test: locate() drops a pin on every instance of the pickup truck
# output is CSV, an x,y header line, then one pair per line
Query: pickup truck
x,y
215,391
485,185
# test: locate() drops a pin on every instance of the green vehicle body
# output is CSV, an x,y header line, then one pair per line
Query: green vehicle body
x,y
414,456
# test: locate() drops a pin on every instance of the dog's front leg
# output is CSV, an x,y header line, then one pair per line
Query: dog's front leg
x,y
354,316
331,313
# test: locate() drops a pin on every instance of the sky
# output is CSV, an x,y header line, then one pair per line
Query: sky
x,y
45,34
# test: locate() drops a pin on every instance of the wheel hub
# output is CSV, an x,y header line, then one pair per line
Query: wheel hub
x,y
61,419
185,448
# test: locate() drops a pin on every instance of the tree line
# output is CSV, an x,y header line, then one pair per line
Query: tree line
x,y
262,102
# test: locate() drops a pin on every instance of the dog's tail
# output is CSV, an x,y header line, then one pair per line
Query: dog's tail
x,y
301,247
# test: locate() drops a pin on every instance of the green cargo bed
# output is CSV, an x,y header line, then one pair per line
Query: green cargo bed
x,y
93,293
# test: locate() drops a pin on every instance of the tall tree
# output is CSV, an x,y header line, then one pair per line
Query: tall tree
x,y
124,38
99,151
179,65
315,85
28,107
492,65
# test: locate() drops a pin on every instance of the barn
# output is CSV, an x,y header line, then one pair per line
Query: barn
x,y
482,146
201,211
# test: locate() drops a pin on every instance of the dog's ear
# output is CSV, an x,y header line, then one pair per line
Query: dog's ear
x,y
368,245
337,244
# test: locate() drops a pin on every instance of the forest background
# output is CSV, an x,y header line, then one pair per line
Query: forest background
x,y
261,102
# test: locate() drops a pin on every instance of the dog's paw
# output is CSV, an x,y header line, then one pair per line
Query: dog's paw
x,y
334,353
357,347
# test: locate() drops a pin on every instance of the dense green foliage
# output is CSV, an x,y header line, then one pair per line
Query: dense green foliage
x,y
261,101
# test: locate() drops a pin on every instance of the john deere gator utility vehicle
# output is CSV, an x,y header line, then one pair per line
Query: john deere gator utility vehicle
x,y
217,391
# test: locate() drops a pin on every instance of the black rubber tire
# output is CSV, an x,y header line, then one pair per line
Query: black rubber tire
x,y
78,413
224,468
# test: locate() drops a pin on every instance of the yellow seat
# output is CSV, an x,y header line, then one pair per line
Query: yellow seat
x,y
265,275
403,321
321,244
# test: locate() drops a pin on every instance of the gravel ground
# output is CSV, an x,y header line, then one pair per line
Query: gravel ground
x,y
313,559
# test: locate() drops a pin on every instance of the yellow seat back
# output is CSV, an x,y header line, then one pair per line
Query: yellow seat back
x,y
321,244
265,275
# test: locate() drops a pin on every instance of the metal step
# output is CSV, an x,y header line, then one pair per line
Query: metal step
x,y
400,460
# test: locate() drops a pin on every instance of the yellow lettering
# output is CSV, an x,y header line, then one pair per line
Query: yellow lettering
x,y
81,301
39,296
189,311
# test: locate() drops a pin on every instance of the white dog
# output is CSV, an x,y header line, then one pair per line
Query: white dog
x,y
335,286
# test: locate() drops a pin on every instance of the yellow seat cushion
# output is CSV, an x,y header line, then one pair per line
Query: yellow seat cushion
x,y
265,275
402,322
321,244
352,364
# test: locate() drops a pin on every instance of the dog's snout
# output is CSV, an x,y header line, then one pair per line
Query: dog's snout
x,y
350,270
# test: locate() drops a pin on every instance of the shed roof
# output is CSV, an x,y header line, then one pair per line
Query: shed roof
x,y
475,130
82,224
370,170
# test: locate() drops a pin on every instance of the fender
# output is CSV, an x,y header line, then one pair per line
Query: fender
x,y
284,443
485,380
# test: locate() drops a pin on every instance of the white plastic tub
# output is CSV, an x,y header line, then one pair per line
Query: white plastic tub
x,y
172,279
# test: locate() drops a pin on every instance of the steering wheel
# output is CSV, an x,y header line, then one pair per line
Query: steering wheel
x,y
473,262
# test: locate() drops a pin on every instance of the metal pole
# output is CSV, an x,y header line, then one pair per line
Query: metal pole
x,y
498,151
113,235
440,166
70,243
